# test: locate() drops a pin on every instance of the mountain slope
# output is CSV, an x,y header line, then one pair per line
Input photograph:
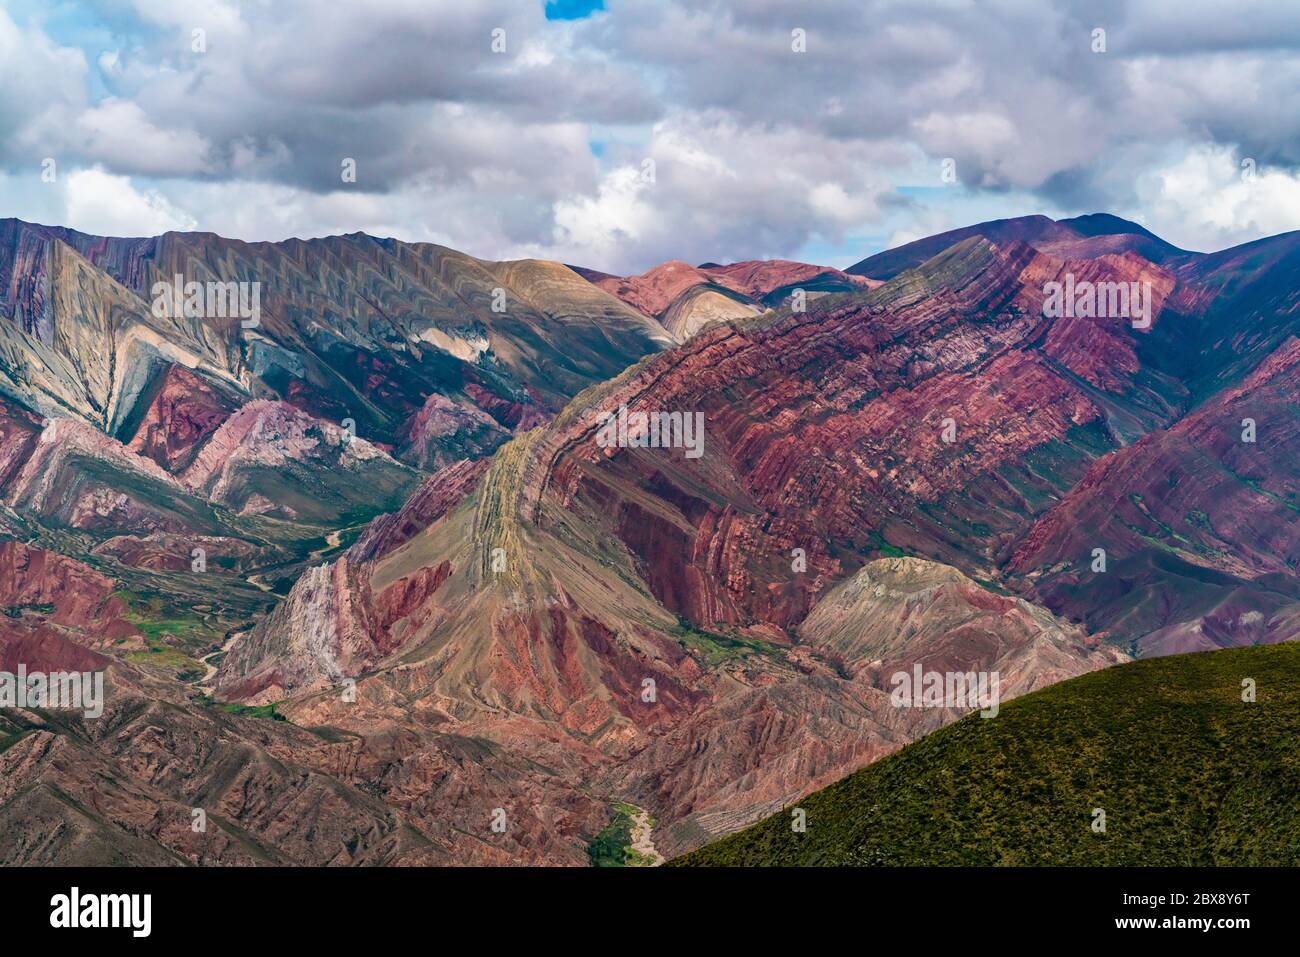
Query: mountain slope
x,y
1199,526
94,345
1186,772
880,621
1242,302
529,623
130,436
349,327
1083,237
825,431
686,298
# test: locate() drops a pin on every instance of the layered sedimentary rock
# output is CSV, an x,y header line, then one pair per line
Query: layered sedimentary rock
x,y
924,416
56,614
123,789
271,458
79,343
686,298
63,591
1196,522
548,653
576,573
79,477
1239,305
175,552
438,493
19,432
702,306
899,612
551,621
443,431
772,280
347,327
182,415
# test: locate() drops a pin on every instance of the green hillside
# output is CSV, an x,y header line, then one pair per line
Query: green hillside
x,y
1187,773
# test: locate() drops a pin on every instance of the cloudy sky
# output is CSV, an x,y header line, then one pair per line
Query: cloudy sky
x,y
620,134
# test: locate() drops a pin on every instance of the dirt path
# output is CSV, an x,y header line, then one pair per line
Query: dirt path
x,y
332,541
205,681
641,842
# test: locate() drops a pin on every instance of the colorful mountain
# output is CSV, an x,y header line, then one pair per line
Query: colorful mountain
x,y
459,565
687,298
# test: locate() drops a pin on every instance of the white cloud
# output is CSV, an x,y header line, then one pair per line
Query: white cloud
x,y
118,134
722,191
41,86
596,228
1208,199
108,205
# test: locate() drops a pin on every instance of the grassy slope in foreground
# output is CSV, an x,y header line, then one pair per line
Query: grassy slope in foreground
x,y
1187,773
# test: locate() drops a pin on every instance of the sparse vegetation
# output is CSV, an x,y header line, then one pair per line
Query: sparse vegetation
x,y
613,846
268,711
1187,772
173,642
16,611
715,648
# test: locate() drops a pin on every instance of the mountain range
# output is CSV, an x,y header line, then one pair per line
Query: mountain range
x,y
371,585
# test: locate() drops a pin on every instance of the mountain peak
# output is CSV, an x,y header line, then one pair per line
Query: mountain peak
x,y
1082,237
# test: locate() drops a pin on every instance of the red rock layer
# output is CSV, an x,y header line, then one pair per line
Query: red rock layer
x,y
444,431
331,627
758,278
436,495
46,649
826,432
1193,505
184,412
34,576
656,291
121,490
19,431
55,611
167,552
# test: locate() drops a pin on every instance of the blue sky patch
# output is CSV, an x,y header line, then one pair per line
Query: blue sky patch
x,y
572,9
